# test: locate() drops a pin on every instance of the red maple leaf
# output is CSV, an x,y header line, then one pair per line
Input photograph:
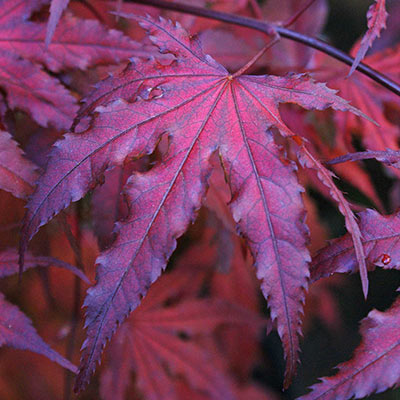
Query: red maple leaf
x,y
17,174
367,96
203,109
326,177
375,364
77,43
162,344
380,237
16,331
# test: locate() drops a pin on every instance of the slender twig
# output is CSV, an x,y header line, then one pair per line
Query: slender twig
x,y
242,70
299,13
282,31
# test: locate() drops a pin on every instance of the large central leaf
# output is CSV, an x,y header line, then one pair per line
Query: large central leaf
x,y
203,109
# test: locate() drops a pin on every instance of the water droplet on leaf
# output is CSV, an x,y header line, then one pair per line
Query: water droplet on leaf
x,y
386,259
383,259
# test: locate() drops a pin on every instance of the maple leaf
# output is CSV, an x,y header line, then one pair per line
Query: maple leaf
x,y
76,44
376,17
158,338
204,109
15,328
17,173
32,90
375,364
9,264
240,287
380,238
16,331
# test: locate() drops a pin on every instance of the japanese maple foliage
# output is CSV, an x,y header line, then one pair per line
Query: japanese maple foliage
x,y
202,111
188,194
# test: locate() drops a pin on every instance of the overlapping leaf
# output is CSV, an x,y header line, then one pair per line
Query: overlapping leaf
x,y
367,96
239,46
16,331
203,109
161,343
76,44
17,174
381,240
375,364
320,141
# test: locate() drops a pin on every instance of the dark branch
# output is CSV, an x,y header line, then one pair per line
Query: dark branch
x,y
283,32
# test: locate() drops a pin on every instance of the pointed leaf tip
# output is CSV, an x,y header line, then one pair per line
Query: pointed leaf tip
x,y
56,9
16,331
376,17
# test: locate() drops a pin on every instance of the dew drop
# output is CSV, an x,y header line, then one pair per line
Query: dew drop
x,y
383,260
386,259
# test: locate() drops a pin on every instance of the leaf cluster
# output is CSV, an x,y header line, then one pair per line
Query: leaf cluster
x,y
138,137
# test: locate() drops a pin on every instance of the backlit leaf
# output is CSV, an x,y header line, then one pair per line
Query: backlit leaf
x,y
204,110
